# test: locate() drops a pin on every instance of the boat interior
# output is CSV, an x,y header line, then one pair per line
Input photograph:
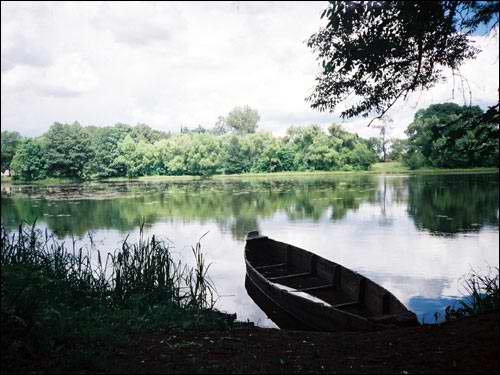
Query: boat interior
x,y
302,271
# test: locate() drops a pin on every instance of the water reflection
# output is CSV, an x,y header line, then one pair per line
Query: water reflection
x,y
415,236
235,205
431,310
423,295
449,204
444,204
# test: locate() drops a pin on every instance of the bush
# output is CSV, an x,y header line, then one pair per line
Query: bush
x,y
415,160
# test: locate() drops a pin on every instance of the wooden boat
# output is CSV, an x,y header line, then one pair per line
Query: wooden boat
x,y
318,293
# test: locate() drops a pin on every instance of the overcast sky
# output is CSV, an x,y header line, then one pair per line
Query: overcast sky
x,y
173,64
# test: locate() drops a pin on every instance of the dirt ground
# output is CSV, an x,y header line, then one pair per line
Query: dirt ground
x,y
466,346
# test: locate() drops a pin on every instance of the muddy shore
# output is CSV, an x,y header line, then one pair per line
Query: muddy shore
x,y
466,346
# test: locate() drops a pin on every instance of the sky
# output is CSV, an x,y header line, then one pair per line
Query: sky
x,y
184,64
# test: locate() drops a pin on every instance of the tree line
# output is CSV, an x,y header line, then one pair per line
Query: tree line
x,y
232,146
442,135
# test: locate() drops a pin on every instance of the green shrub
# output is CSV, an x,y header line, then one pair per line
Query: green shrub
x,y
58,297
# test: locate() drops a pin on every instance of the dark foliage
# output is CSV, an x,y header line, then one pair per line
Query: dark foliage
x,y
452,136
66,302
10,141
379,51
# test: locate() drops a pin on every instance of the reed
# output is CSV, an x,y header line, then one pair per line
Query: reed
x,y
57,295
481,295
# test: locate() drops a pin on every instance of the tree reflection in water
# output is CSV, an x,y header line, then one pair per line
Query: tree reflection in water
x,y
450,204
440,204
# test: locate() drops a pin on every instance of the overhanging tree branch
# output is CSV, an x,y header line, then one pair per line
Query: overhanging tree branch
x,y
408,46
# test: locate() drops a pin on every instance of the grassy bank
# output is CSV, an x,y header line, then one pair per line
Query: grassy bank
x,y
390,167
63,301
45,181
396,167
377,168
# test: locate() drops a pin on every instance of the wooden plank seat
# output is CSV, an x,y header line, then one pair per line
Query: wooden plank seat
x,y
313,288
270,266
291,276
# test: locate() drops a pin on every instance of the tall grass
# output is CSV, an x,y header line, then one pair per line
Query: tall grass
x,y
481,295
56,295
144,269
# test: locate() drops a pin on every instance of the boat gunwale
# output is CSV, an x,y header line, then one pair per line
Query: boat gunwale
x,y
327,305
375,320
298,297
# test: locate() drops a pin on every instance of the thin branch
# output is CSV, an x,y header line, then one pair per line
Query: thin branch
x,y
419,60
462,79
388,107
453,90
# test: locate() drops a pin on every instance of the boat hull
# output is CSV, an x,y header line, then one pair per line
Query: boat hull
x,y
316,313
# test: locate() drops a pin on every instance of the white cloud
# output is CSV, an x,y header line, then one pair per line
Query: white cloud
x,y
21,44
139,25
68,76
172,64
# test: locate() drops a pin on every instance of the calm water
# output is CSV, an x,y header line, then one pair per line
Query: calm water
x,y
414,235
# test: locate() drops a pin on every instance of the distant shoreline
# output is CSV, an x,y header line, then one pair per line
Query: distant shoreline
x,y
392,168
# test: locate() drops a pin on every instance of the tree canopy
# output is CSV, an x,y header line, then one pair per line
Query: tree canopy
x,y
29,162
452,136
243,119
69,150
10,141
375,52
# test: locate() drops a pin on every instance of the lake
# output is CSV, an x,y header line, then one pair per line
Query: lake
x,y
415,235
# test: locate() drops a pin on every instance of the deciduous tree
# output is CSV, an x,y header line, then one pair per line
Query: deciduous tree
x,y
452,136
67,150
9,143
29,162
374,52
243,119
